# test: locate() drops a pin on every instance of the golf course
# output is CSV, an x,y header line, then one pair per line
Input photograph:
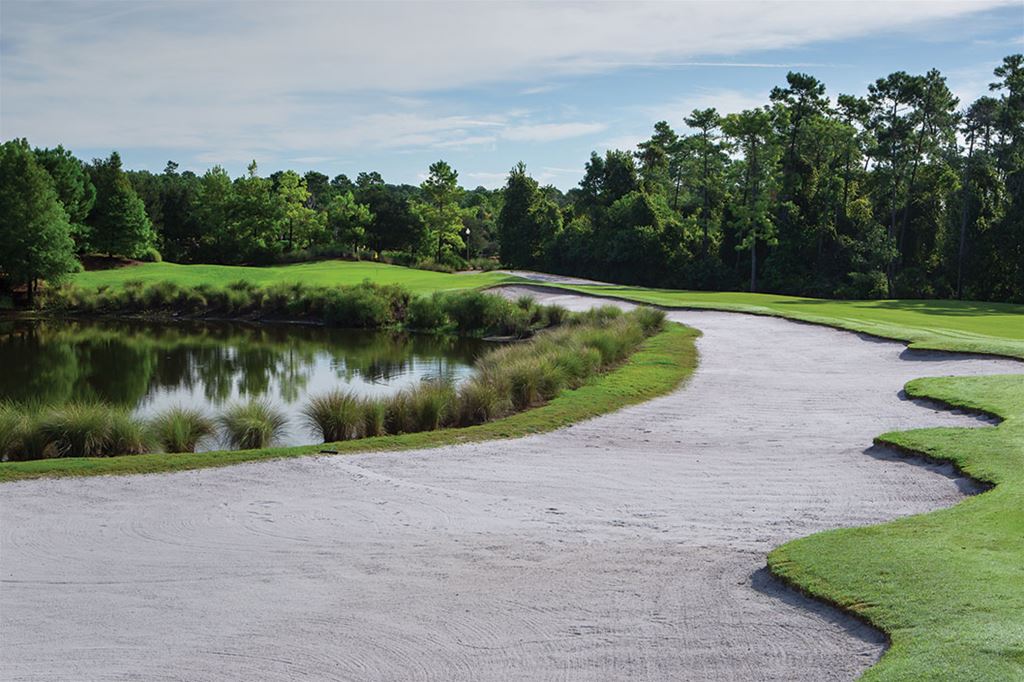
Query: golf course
x,y
488,341
938,580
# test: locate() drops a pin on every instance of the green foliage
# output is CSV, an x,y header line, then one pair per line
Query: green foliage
x,y
336,416
35,236
91,430
439,209
657,368
181,429
252,425
118,223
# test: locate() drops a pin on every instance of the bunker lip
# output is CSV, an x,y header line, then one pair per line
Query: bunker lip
x,y
627,544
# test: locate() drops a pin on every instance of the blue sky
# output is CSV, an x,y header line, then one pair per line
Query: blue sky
x,y
394,86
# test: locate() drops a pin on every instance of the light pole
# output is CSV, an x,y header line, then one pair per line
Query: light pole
x,y
467,245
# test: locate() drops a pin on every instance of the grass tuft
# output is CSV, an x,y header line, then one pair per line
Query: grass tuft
x,y
181,429
335,416
253,425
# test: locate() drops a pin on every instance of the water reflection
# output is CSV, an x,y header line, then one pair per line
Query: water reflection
x,y
149,366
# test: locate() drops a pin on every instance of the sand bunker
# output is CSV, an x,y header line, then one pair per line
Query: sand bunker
x,y
631,546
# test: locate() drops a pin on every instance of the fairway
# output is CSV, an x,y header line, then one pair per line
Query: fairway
x,y
319,273
967,326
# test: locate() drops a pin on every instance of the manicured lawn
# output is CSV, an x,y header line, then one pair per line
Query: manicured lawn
x,y
968,326
320,273
948,587
659,366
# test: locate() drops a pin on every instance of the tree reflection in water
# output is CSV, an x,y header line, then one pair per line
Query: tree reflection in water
x,y
152,365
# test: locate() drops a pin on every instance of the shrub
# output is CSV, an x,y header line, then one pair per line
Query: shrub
x,y
398,413
336,416
360,306
427,313
127,435
432,404
77,429
479,401
374,417
88,430
181,429
252,425
651,320
151,255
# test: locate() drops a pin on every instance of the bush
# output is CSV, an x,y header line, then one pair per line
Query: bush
x,y
481,401
181,429
427,313
151,255
432,405
374,417
336,416
90,430
252,425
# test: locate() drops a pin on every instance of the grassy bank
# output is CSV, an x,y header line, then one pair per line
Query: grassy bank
x,y
320,273
660,364
947,587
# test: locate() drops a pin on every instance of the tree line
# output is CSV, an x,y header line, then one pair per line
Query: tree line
x,y
899,192
896,193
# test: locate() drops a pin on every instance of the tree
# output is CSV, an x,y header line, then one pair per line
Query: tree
x,y
74,189
299,223
348,221
119,224
439,210
752,131
255,217
709,155
35,235
528,221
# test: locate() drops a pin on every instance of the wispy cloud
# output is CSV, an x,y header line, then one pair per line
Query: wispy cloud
x,y
548,132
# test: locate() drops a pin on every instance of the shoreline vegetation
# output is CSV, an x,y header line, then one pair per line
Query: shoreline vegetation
x,y
659,365
569,351
366,305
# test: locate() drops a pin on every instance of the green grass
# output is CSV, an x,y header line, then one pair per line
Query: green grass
x,y
947,587
967,326
320,273
659,366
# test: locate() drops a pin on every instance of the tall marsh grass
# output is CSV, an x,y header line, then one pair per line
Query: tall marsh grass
x,y
253,425
181,429
508,379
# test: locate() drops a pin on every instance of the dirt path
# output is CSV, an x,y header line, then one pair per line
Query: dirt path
x,y
631,546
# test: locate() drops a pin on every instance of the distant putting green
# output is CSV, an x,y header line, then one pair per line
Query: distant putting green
x,y
320,273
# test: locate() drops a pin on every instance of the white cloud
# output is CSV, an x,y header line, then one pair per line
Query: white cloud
x,y
548,132
313,79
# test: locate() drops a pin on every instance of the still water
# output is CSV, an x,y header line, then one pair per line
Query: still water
x,y
149,366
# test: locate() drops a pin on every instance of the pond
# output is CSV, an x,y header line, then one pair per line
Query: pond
x,y
151,366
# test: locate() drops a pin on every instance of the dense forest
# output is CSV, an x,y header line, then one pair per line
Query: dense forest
x,y
902,191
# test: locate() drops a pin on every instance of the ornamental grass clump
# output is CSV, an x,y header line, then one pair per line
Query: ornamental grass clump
x,y
432,404
181,429
479,401
253,425
374,417
335,416
86,430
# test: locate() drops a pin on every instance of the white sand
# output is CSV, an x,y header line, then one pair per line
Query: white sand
x,y
631,546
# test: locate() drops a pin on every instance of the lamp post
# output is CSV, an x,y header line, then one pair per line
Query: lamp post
x,y
467,245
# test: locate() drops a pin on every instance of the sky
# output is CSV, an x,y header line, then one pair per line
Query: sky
x,y
344,87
